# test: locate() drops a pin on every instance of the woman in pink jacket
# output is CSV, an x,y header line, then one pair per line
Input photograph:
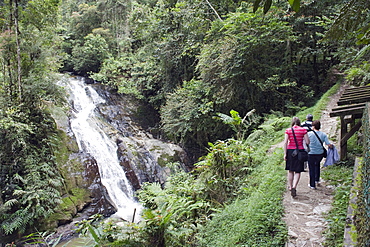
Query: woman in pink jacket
x,y
293,165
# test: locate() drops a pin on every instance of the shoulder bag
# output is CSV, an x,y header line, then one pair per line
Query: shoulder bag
x,y
302,154
325,153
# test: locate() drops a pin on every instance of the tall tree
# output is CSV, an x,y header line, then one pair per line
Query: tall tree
x,y
29,180
164,39
17,40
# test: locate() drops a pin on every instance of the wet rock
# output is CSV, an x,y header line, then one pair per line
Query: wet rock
x,y
142,156
128,123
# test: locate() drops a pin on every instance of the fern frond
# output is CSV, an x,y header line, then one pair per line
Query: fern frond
x,y
11,203
18,177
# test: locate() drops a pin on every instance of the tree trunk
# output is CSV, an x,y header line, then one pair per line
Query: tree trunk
x,y
19,66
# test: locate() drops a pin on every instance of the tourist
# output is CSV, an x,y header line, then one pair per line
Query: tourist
x,y
293,165
316,154
308,123
308,126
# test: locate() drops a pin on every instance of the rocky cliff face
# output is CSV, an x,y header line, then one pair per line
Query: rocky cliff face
x,y
128,123
142,155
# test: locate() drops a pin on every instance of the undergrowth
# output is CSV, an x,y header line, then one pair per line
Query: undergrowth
x,y
232,198
254,219
339,176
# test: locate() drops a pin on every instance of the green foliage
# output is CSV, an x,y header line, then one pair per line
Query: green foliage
x,y
87,18
118,74
89,57
230,79
254,219
224,169
98,233
190,209
361,216
268,130
41,14
43,238
190,60
352,29
237,123
173,214
95,232
352,21
294,4
228,172
232,198
25,50
29,180
169,36
187,116
340,176
314,57
162,51
237,81
84,38
320,105
161,47
359,75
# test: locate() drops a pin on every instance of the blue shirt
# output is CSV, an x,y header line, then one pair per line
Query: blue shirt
x,y
315,145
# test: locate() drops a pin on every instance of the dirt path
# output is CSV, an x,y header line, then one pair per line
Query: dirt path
x,y
304,214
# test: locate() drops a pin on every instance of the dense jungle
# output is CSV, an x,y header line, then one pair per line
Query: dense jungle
x,y
221,79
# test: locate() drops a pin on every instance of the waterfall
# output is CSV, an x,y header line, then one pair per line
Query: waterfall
x,y
91,139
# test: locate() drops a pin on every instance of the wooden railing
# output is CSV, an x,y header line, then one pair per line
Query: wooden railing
x,y
350,109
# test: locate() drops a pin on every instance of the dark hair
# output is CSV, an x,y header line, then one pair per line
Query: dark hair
x,y
296,121
316,124
309,117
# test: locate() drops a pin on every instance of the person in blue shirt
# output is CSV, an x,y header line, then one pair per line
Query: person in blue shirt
x,y
316,152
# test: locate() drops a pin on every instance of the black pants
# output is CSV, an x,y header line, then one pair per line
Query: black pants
x,y
314,167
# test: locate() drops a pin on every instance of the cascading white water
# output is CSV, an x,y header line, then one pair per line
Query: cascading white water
x,y
92,139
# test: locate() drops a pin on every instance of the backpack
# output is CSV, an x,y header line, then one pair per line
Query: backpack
x,y
307,125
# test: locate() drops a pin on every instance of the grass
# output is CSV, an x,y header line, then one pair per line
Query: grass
x,y
256,220
255,216
339,176
316,110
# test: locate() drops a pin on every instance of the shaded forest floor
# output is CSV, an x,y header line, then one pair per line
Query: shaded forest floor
x,y
304,214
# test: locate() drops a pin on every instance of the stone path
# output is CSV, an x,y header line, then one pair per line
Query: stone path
x,y
304,214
